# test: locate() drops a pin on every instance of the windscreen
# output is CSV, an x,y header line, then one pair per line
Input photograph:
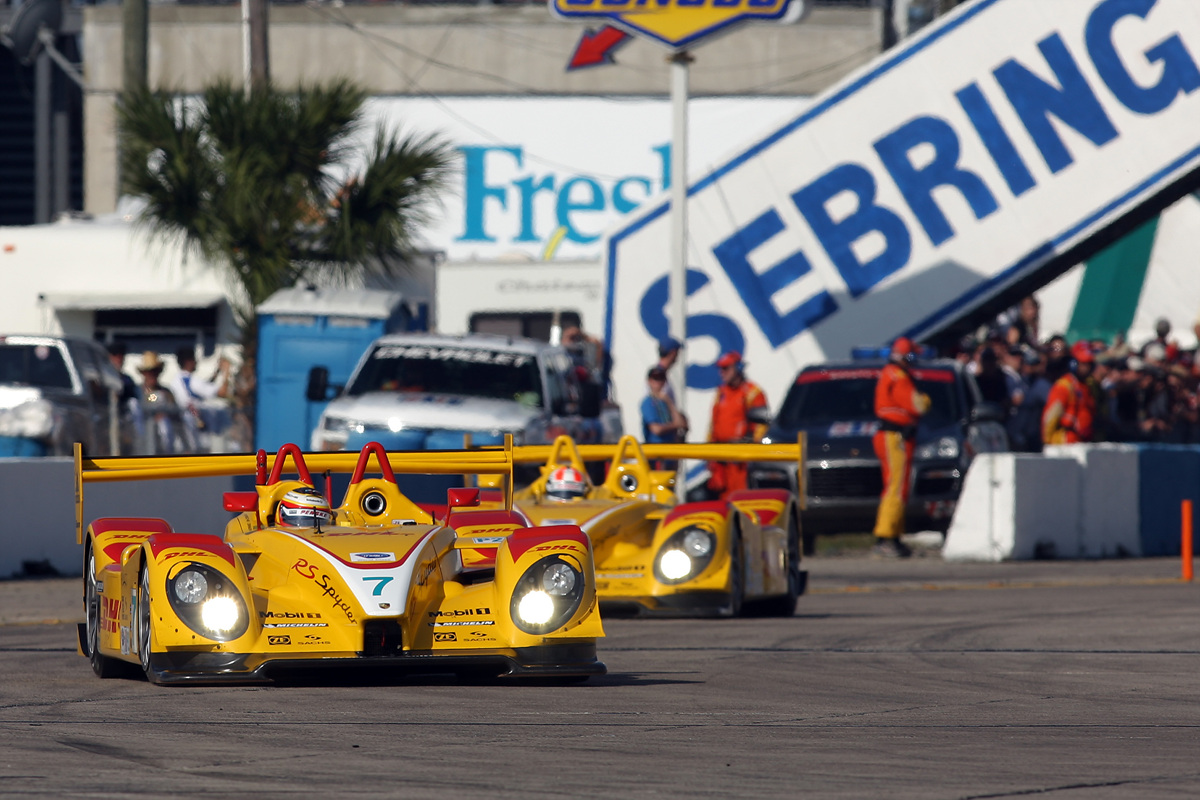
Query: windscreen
x,y
473,372
822,398
34,365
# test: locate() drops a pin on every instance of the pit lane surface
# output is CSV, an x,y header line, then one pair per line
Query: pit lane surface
x,y
915,679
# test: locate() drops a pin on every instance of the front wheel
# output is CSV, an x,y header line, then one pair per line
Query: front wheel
x,y
103,666
785,605
737,577
143,623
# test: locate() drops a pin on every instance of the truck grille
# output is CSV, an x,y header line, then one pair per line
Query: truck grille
x,y
845,482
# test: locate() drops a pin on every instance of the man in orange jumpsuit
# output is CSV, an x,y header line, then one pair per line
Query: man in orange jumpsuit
x,y
1070,408
731,422
898,406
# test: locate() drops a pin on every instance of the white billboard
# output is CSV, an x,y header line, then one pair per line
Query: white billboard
x,y
916,188
544,178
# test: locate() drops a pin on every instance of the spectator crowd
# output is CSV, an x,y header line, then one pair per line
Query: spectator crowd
x,y
1146,394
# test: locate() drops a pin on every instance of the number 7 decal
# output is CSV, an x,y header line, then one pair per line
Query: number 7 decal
x,y
383,581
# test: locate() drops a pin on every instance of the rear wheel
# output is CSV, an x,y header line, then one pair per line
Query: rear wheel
x,y
103,666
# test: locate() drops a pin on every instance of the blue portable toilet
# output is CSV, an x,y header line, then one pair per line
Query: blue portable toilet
x,y
301,328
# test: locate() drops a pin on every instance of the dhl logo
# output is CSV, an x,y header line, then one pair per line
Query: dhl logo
x,y
186,554
556,547
109,609
679,23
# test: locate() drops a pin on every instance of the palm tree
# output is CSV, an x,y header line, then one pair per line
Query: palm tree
x,y
260,184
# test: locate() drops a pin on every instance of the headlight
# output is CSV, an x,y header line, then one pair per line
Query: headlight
x,y
207,602
945,447
33,419
190,586
547,595
685,555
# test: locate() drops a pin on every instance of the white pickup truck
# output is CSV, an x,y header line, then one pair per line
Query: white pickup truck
x,y
421,391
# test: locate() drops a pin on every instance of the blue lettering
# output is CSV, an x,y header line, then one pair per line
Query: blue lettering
x,y
477,192
664,157
838,237
996,140
917,185
567,205
528,188
1179,73
724,330
757,290
623,204
1072,101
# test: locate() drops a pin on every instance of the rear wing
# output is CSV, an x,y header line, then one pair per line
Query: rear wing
x,y
496,461
699,451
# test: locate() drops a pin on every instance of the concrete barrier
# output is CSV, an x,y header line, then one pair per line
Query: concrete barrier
x,y
1016,506
37,535
37,496
1075,501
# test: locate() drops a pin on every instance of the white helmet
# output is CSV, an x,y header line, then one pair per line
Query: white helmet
x,y
303,508
566,483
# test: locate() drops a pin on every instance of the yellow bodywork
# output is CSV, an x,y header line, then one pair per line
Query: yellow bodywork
x,y
633,519
390,582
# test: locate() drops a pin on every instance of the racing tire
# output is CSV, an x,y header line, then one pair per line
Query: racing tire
x,y
784,605
102,665
737,575
144,636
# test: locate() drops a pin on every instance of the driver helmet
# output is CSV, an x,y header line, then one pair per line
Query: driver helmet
x,y
304,507
565,484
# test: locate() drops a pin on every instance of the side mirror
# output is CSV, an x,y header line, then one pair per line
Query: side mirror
x,y
318,384
460,497
987,412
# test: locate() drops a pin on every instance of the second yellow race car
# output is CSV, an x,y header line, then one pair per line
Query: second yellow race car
x,y
737,556
296,583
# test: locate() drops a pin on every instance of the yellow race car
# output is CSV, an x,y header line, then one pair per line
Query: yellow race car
x,y
737,556
296,583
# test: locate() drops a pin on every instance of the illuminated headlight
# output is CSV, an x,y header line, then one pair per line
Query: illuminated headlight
x,y
547,595
675,565
220,614
684,555
30,420
207,602
536,608
945,447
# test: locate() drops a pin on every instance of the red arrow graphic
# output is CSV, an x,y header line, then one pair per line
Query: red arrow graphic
x,y
597,47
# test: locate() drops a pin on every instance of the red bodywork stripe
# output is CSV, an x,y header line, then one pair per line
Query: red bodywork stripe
x,y
368,564
138,524
520,542
766,516
191,541
461,519
706,507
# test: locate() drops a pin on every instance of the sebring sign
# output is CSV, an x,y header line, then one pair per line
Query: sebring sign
x,y
960,162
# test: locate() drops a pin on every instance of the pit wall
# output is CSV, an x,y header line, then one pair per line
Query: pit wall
x,y
1075,501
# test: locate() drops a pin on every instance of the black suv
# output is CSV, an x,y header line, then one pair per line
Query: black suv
x,y
833,404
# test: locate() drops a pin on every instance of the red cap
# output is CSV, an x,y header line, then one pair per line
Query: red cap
x,y
1082,352
903,346
730,359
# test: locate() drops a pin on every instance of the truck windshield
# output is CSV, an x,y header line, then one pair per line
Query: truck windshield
x,y
817,402
473,372
34,365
